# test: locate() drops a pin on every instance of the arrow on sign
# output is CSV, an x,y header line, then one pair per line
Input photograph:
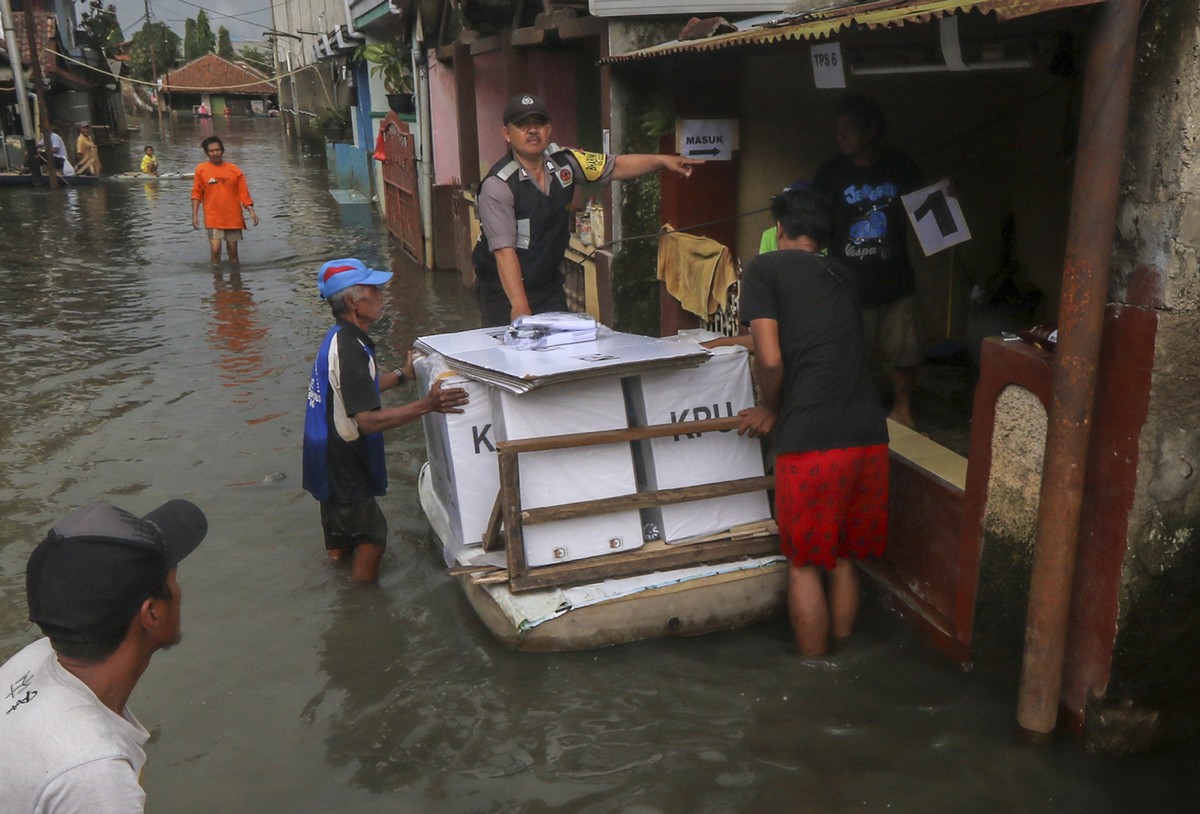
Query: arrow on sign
x,y
712,151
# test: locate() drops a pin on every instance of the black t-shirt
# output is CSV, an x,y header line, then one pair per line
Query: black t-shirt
x,y
828,401
870,231
350,471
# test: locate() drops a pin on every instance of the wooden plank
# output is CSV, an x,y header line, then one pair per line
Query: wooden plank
x,y
513,59
485,45
582,27
587,439
494,578
492,541
939,630
639,561
456,570
529,36
466,116
510,499
735,533
645,500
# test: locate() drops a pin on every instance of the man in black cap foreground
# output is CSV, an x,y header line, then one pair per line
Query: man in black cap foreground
x,y
524,210
344,467
102,588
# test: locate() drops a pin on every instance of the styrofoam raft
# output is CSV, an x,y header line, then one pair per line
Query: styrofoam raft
x,y
553,477
719,388
462,454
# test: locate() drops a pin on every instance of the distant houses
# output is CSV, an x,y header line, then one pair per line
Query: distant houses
x,y
218,87
79,83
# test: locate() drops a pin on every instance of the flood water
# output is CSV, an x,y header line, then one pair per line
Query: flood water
x,y
136,374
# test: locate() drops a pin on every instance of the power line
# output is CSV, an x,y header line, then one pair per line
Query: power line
x,y
212,13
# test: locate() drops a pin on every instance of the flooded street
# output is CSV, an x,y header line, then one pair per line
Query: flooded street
x,y
136,374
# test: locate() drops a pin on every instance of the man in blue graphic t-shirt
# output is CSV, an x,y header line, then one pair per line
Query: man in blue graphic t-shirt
x,y
864,183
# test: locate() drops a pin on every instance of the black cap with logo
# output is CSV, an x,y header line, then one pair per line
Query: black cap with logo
x,y
522,106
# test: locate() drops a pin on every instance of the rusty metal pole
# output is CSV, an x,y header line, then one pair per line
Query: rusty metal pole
x,y
1102,126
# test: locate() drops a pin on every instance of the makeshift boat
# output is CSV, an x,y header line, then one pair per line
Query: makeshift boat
x,y
638,521
14,180
146,176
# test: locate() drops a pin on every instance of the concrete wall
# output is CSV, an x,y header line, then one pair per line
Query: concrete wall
x,y
1156,663
350,166
443,107
312,90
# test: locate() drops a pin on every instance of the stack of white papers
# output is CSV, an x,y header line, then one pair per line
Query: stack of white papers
x,y
547,330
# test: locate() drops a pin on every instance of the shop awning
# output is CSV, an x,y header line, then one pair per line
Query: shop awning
x,y
826,22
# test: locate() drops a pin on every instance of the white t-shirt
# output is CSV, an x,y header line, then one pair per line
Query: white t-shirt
x,y
59,148
61,750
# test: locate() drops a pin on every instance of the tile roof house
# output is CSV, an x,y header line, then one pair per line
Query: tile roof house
x,y
218,83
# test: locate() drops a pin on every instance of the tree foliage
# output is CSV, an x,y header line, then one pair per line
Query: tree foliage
x,y
98,26
189,40
206,40
263,60
156,46
224,44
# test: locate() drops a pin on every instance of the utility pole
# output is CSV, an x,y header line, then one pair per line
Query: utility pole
x,y
10,36
154,67
35,62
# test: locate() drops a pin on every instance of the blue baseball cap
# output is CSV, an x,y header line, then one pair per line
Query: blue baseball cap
x,y
338,275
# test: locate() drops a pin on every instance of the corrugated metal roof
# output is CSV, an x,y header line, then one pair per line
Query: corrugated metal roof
x,y
829,21
643,8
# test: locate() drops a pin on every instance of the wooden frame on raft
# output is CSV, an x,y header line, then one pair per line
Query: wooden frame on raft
x,y
755,541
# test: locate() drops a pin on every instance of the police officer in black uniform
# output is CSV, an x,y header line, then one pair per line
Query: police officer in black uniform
x,y
524,207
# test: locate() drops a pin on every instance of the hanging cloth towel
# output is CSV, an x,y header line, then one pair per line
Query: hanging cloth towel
x,y
698,271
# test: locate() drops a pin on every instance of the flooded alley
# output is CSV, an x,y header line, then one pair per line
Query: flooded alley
x,y
137,373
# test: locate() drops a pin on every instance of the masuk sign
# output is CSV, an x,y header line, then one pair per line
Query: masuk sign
x,y
708,139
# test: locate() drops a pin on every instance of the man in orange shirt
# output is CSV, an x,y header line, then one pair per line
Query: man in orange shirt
x,y
221,187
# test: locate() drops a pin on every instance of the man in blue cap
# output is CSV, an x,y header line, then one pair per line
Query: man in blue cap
x,y
343,426
102,587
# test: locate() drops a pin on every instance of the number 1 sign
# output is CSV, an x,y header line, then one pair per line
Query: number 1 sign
x,y
936,217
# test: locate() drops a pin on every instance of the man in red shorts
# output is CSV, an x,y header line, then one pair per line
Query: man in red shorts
x,y
830,429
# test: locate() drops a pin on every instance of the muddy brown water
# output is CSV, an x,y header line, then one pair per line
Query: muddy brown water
x,y
134,373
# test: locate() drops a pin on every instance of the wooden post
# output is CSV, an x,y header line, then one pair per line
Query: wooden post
x,y
510,497
467,116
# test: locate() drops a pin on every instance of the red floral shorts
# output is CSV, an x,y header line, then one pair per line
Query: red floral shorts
x,y
832,503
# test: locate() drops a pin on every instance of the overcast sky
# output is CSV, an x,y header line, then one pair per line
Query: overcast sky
x,y
245,19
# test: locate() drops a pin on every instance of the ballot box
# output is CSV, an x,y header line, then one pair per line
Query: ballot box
x,y
718,388
553,477
462,454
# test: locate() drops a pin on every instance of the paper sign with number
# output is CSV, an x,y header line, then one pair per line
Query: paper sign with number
x,y
828,70
936,217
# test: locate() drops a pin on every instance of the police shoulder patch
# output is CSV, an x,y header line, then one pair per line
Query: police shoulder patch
x,y
592,164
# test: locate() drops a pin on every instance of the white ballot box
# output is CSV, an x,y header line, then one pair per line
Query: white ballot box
x,y
462,454
553,477
719,388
